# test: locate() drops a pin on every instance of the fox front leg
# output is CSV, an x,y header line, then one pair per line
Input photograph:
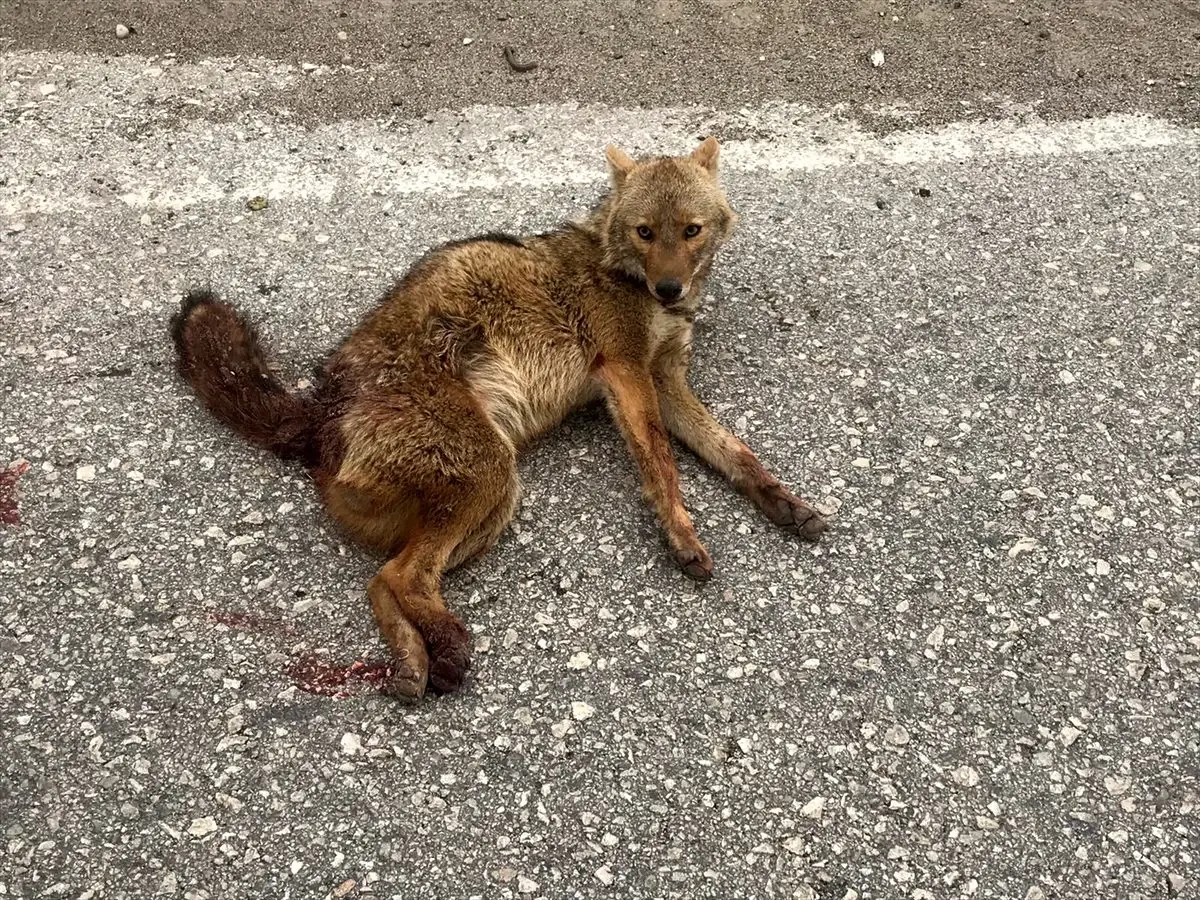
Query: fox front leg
x,y
690,421
633,403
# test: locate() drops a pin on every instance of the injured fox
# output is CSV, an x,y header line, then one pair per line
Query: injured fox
x,y
413,429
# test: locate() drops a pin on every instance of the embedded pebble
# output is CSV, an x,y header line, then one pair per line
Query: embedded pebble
x,y
965,776
582,711
122,32
202,827
794,845
897,735
814,808
1116,785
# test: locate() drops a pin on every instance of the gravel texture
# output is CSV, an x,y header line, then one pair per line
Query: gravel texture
x,y
943,60
983,682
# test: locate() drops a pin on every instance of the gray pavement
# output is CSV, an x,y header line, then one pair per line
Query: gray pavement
x,y
943,60
976,345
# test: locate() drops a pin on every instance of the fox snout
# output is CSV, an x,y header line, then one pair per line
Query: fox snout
x,y
668,289
669,271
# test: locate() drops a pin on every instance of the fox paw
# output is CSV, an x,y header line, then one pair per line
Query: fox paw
x,y
788,511
449,655
695,562
409,679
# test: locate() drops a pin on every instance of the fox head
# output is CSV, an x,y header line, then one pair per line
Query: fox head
x,y
667,217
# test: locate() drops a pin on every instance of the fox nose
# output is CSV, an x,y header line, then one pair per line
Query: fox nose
x,y
669,289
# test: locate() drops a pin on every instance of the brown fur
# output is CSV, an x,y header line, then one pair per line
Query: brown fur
x,y
414,430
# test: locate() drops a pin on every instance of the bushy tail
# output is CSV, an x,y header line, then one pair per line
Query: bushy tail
x,y
220,356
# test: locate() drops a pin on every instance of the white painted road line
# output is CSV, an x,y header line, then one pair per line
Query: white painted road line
x,y
81,122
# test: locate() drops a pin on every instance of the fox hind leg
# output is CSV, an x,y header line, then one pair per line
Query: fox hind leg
x,y
430,485
448,533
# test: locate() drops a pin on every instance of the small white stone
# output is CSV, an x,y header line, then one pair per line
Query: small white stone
x,y
794,845
965,776
604,875
1024,545
86,473
582,711
351,744
897,735
527,885
122,32
877,58
1066,377
1116,785
1102,567
296,866
580,660
1069,735
814,808
342,36
202,827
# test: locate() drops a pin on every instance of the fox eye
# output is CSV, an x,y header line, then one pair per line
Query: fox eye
x,y
691,231
645,233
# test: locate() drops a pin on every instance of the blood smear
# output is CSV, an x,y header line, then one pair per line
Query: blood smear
x,y
10,511
317,675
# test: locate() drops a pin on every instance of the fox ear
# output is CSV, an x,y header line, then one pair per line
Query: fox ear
x,y
706,155
619,163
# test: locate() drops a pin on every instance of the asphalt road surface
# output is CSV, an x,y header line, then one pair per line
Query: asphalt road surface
x,y
962,314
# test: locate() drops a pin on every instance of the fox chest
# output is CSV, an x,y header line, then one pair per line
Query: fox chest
x,y
528,390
